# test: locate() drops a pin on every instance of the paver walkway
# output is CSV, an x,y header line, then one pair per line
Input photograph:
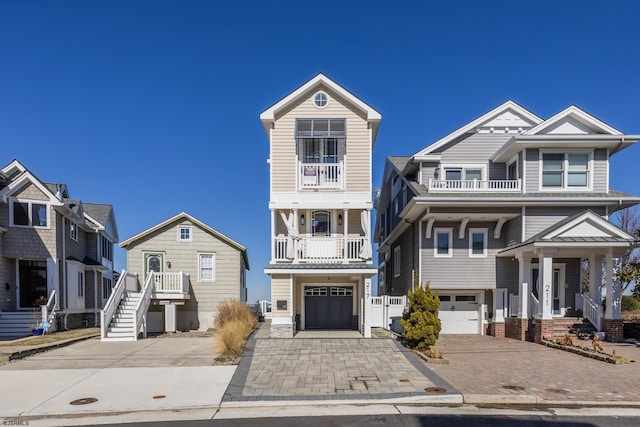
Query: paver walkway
x,y
500,366
329,369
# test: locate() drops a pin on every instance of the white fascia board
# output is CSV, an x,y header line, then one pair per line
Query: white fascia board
x,y
427,158
323,272
15,165
268,115
578,114
24,179
479,121
601,222
503,201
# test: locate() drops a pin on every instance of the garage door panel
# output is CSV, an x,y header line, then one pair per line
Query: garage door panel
x,y
326,308
459,314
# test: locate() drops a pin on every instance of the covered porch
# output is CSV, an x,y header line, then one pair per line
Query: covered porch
x,y
544,295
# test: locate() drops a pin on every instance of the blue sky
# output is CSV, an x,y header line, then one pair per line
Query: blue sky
x,y
153,106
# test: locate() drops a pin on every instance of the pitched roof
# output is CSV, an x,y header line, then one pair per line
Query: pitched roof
x,y
575,113
202,225
98,211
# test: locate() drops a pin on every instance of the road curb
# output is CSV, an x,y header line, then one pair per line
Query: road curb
x,y
17,355
448,399
500,399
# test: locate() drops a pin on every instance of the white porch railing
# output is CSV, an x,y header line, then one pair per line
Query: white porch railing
x,y
140,312
171,283
125,281
475,185
316,249
578,302
321,175
383,308
514,305
592,311
49,310
534,306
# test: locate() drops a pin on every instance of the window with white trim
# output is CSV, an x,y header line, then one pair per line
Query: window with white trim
x,y
512,170
185,233
396,261
443,242
107,285
477,242
565,170
463,173
26,213
207,267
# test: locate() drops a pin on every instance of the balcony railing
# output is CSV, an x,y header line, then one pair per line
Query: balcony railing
x,y
325,249
328,176
170,283
474,185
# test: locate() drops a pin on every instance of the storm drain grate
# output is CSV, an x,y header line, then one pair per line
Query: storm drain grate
x,y
438,390
513,387
557,390
83,401
159,396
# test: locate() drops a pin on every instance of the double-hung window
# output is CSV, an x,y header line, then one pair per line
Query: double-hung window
x,y
29,213
477,242
207,267
443,242
565,170
397,259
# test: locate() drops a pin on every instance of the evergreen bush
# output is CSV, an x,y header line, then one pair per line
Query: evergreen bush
x,y
420,322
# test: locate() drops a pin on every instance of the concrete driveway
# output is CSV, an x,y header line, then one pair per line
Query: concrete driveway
x,y
482,366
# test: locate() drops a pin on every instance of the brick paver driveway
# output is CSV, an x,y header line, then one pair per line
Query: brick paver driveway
x,y
485,365
329,368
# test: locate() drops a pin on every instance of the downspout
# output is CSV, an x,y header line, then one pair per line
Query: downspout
x,y
64,276
95,297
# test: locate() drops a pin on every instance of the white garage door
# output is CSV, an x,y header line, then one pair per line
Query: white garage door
x,y
459,314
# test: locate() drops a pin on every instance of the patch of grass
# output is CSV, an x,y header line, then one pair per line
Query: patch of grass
x,y
234,310
51,337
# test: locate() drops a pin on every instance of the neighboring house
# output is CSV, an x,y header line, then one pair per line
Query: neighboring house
x,y
52,247
499,217
194,268
320,142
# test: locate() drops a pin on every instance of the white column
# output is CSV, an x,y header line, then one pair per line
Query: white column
x,y
545,295
524,273
367,308
614,306
595,278
345,225
273,236
499,302
296,242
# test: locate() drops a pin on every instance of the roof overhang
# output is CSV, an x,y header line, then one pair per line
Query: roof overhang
x,y
613,143
369,271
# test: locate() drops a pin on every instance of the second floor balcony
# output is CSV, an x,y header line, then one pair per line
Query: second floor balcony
x,y
325,249
475,185
327,176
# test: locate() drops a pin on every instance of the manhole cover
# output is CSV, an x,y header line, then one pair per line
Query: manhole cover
x,y
435,390
557,390
83,401
513,387
160,396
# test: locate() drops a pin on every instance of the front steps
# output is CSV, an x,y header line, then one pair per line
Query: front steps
x,y
121,326
576,327
16,323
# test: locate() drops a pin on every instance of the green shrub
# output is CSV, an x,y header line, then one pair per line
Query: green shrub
x,y
630,303
420,322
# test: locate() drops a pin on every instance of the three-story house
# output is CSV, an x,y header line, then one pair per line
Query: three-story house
x,y
321,137
507,218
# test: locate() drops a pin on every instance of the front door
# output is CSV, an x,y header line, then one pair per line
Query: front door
x,y
33,282
153,262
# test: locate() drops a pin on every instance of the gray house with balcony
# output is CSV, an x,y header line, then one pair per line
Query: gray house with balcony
x,y
504,217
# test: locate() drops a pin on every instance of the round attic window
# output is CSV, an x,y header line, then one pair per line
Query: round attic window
x,y
321,100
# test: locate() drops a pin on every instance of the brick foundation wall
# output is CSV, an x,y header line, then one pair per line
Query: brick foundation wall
x,y
497,330
516,328
614,330
486,329
281,331
542,328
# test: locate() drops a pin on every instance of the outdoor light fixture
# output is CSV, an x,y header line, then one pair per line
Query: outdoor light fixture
x,y
302,219
168,264
340,219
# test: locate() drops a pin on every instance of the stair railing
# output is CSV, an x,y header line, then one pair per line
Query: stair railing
x,y
49,310
110,307
140,311
592,312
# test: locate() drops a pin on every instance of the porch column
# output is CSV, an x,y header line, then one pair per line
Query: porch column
x,y
595,278
545,297
524,273
296,242
367,308
613,325
345,224
273,236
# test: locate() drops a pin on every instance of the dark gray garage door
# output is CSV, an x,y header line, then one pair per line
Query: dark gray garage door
x,y
328,307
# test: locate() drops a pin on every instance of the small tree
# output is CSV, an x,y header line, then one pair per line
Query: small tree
x,y
420,322
628,269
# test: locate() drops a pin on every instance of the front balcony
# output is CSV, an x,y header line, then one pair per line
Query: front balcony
x,y
170,286
475,186
324,176
321,249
